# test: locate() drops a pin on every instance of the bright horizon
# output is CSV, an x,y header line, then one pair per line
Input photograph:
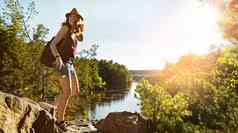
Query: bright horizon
x,y
139,34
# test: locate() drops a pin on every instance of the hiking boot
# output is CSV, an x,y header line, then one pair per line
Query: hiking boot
x,y
62,125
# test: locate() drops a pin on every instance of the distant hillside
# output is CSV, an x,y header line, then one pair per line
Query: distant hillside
x,y
139,74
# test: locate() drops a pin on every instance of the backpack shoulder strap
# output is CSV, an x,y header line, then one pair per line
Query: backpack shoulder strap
x,y
66,24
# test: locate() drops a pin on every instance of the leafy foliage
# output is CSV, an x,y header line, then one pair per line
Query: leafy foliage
x,y
228,20
208,91
166,112
115,75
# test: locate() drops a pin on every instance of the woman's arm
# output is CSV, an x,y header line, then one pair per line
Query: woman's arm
x,y
60,35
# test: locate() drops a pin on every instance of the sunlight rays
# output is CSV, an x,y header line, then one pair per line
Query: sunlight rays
x,y
192,29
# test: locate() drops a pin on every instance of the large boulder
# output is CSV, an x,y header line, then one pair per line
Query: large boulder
x,y
124,122
21,115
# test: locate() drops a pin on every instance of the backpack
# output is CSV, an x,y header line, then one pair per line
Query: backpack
x,y
65,51
47,58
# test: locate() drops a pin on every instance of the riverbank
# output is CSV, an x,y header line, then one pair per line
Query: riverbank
x,y
24,115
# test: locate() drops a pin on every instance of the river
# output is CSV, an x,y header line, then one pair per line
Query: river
x,y
126,102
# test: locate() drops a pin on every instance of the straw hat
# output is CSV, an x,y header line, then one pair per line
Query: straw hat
x,y
74,11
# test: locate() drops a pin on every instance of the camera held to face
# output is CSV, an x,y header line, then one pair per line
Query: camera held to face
x,y
78,31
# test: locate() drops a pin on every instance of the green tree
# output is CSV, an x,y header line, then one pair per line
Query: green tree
x,y
165,111
115,75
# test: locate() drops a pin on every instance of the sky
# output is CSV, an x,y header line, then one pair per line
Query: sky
x,y
141,34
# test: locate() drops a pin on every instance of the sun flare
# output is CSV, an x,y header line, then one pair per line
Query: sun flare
x,y
191,30
201,24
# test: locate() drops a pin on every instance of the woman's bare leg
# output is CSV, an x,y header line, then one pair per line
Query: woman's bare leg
x,y
75,84
66,86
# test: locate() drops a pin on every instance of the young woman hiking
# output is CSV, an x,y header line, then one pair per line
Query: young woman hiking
x,y
68,36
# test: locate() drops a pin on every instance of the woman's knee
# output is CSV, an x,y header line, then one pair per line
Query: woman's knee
x,y
75,87
66,87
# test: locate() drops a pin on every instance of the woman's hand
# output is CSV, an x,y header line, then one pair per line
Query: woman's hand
x,y
58,63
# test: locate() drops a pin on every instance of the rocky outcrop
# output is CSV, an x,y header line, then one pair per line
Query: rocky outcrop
x,y
21,115
124,122
81,126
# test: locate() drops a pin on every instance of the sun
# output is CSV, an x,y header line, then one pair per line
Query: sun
x,y
200,29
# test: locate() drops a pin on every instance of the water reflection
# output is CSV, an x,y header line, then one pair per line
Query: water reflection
x,y
115,102
110,102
